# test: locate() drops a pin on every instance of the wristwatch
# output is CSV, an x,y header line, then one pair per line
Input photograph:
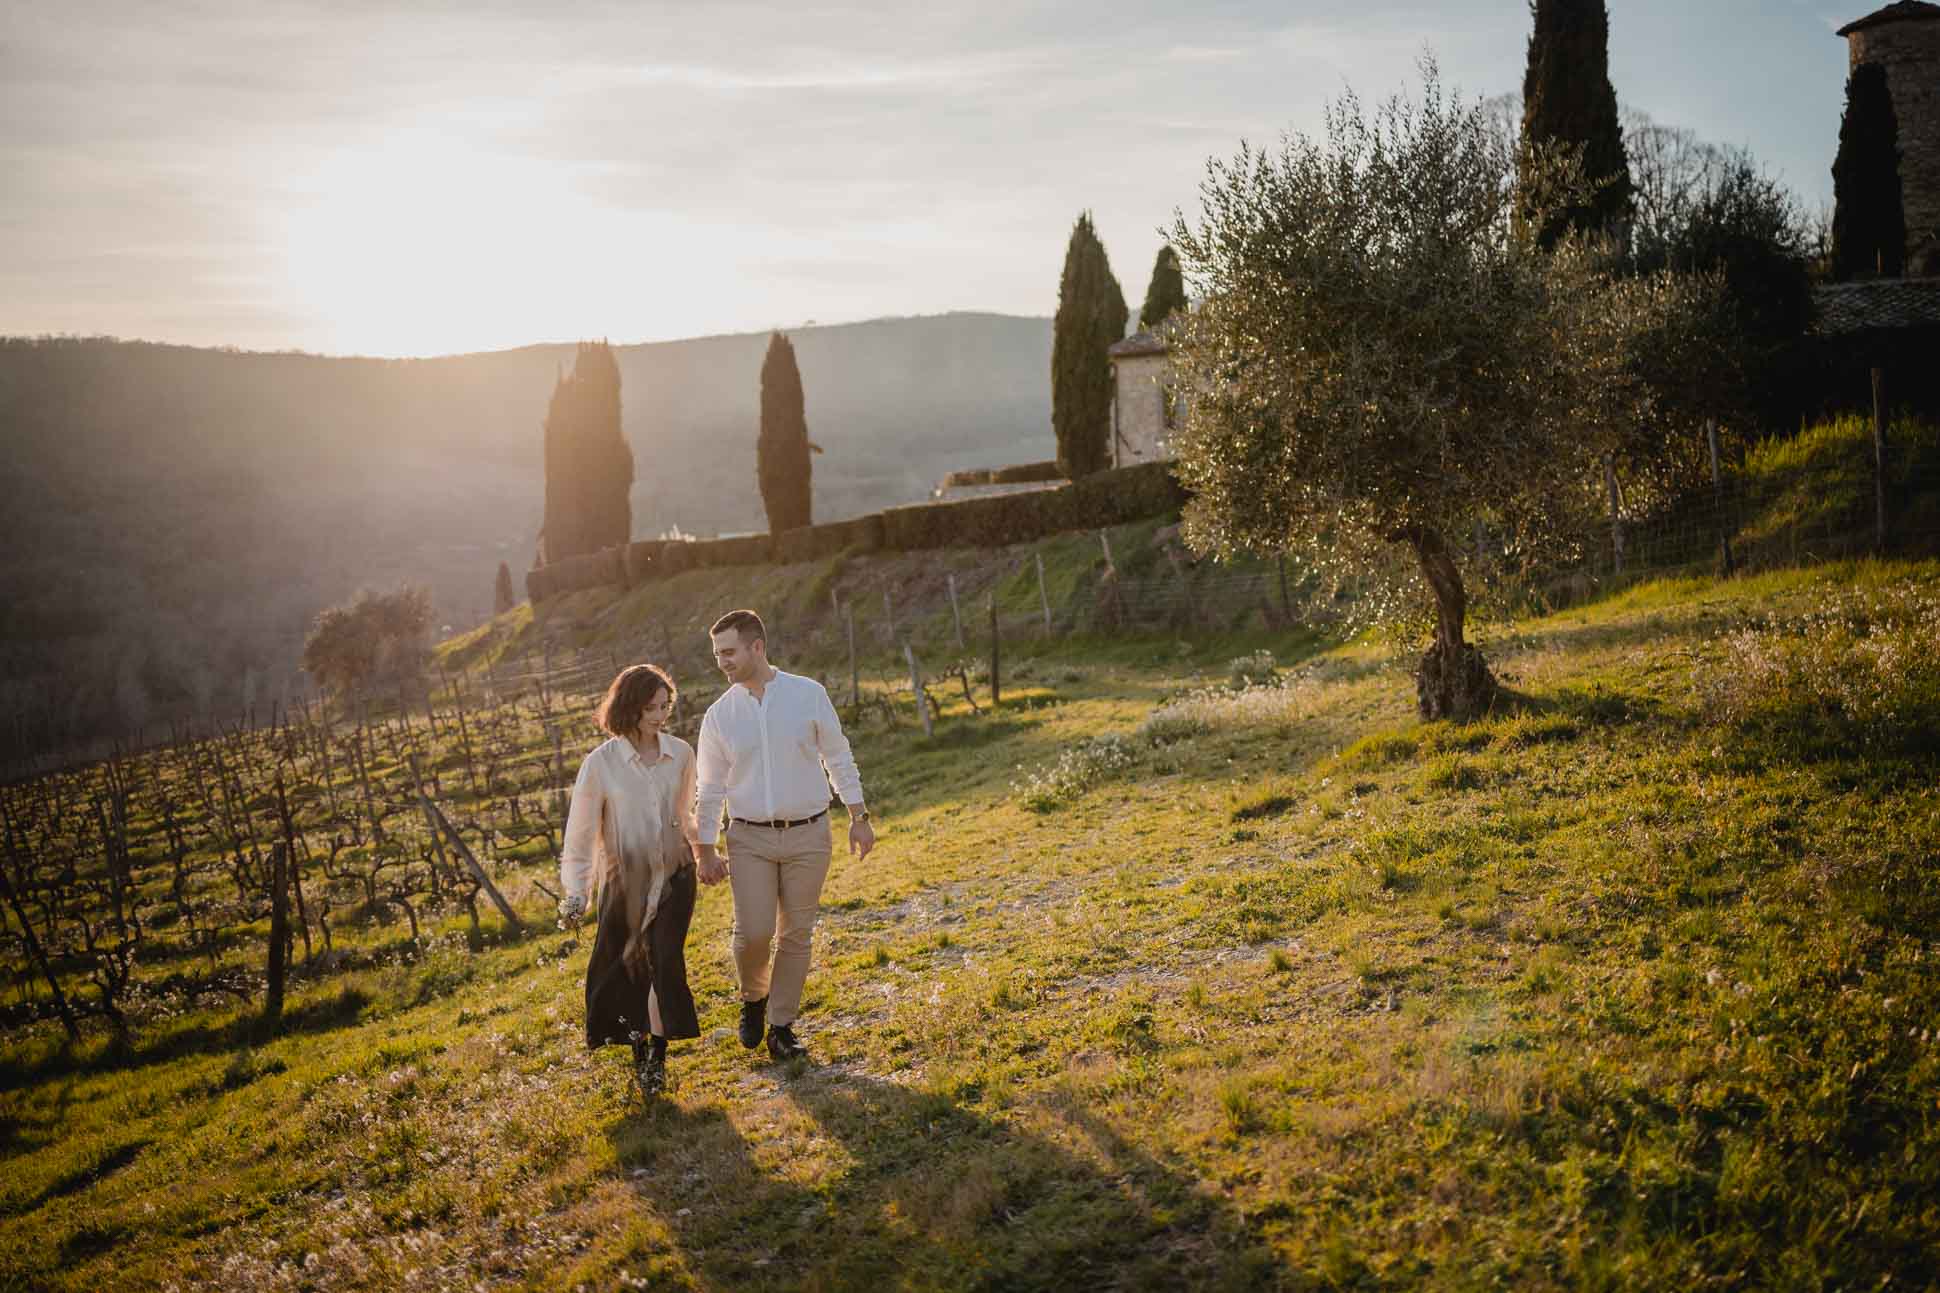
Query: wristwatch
x,y
858,815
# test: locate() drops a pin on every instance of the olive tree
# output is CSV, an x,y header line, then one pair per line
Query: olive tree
x,y
1386,358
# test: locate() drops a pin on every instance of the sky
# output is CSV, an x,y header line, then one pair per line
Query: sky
x,y
398,179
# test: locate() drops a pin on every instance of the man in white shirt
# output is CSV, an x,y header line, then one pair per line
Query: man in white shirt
x,y
769,748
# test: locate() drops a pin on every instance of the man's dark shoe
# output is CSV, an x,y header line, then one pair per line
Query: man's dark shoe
x,y
753,1015
783,1046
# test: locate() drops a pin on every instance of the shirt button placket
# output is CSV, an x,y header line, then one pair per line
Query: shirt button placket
x,y
767,764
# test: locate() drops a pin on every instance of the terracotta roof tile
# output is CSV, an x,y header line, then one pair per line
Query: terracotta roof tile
x,y
1898,11
1139,343
1877,304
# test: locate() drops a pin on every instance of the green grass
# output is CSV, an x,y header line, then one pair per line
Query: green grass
x,y
1607,990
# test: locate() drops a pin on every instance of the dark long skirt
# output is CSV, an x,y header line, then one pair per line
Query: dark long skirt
x,y
616,1000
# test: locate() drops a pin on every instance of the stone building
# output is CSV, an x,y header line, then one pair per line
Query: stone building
x,y
1145,407
1904,38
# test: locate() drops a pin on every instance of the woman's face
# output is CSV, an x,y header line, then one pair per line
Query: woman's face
x,y
653,716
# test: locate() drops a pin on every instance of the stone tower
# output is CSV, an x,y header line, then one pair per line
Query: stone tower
x,y
1904,38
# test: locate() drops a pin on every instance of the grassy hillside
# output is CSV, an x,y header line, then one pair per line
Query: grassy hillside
x,y
1183,966
179,516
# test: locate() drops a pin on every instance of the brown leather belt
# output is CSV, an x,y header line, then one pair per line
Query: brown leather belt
x,y
782,825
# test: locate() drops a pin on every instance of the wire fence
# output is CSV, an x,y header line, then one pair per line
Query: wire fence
x,y
1841,498
1834,505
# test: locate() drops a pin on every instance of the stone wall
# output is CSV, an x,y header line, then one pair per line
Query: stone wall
x,y
1909,50
1095,502
1138,409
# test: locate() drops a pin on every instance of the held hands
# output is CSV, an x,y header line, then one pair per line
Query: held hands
x,y
572,909
709,864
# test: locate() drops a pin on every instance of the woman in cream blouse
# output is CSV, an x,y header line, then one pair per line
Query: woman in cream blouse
x,y
631,830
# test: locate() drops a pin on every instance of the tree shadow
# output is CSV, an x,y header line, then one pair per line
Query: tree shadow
x,y
245,1028
867,1183
84,1176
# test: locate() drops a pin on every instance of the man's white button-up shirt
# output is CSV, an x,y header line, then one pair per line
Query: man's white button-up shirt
x,y
772,759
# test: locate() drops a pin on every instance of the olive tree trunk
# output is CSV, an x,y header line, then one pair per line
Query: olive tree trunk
x,y
1452,681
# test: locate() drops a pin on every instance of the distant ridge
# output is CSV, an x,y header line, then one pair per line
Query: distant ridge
x,y
178,514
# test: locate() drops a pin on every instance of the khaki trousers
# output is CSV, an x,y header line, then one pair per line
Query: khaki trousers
x,y
776,877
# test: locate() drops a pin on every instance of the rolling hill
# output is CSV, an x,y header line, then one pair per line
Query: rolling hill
x,y
176,516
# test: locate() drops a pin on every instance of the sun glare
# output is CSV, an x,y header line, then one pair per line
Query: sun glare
x,y
424,246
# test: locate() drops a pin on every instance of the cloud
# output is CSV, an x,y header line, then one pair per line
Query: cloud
x,y
823,159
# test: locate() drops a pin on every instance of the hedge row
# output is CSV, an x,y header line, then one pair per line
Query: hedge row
x,y
590,570
1091,503
815,542
1022,473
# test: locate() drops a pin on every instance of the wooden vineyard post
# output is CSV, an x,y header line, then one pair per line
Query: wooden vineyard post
x,y
916,688
667,663
1043,595
1725,561
279,929
478,872
996,652
34,949
1879,460
1190,602
956,615
1616,515
1111,578
561,794
855,673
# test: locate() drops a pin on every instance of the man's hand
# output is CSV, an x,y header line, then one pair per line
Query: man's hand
x,y
572,909
862,837
709,864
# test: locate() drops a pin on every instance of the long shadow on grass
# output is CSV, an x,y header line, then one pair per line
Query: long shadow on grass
x,y
247,1028
921,1191
1651,627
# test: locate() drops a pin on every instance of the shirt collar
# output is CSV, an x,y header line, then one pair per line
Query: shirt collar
x,y
664,748
742,687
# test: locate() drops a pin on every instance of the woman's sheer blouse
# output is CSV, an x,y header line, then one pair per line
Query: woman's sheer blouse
x,y
627,807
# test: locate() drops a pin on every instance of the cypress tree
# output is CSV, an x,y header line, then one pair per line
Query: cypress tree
x,y
1167,291
1868,213
589,467
1567,100
1091,317
503,598
782,466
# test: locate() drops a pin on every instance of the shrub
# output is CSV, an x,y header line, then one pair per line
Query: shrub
x,y
1862,668
991,521
1244,671
1076,770
1163,727
641,560
374,635
1120,496
1017,473
743,550
539,585
1276,700
818,542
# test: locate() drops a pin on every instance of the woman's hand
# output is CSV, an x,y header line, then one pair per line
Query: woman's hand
x,y
709,863
572,909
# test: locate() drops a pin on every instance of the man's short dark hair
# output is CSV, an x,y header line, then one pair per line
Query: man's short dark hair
x,y
746,623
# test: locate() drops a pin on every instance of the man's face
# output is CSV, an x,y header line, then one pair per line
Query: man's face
x,y
739,659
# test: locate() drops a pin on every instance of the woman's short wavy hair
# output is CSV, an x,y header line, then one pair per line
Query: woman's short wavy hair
x,y
632,691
